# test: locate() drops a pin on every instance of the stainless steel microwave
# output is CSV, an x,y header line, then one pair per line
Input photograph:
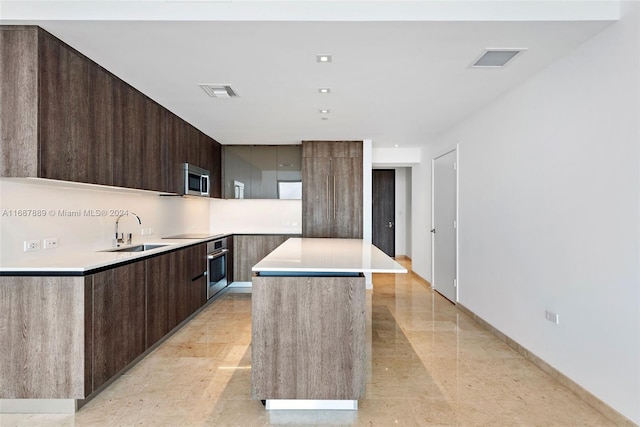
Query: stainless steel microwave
x,y
196,181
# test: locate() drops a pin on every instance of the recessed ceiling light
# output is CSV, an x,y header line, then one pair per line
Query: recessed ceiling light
x,y
496,58
324,111
396,145
323,58
324,90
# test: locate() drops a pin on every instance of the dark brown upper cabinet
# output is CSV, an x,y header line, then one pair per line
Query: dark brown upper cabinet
x,y
65,117
128,126
64,113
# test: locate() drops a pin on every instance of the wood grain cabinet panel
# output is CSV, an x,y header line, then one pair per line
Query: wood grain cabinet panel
x,y
204,147
195,281
101,127
214,154
65,337
249,249
191,292
317,190
300,352
118,320
331,148
332,189
18,101
163,273
231,274
192,141
210,158
347,197
64,113
64,117
154,148
177,153
128,136
42,337
176,288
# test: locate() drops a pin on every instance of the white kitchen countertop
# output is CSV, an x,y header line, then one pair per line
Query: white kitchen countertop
x,y
328,255
83,262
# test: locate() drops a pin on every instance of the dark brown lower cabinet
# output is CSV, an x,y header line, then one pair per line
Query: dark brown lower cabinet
x,y
176,288
118,320
92,326
198,288
192,290
248,249
162,297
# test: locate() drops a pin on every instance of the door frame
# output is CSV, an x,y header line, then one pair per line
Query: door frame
x,y
456,219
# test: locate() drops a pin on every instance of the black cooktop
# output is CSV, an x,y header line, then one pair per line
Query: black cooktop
x,y
193,236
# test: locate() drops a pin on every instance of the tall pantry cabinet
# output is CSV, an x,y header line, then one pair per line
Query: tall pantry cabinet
x,y
332,189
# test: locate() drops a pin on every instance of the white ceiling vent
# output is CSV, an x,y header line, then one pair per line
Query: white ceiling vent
x,y
218,91
496,58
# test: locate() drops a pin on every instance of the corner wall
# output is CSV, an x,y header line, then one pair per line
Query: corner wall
x,y
549,213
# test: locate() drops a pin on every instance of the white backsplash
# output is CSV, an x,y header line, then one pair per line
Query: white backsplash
x,y
82,216
256,216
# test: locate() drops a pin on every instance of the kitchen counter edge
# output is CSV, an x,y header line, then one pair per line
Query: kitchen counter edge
x,y
121,259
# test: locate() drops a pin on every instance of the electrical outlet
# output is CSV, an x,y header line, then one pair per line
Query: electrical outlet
x,y
50,243
551,317
31,245
146,231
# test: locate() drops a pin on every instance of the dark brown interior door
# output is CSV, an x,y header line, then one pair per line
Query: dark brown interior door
x,y
384,208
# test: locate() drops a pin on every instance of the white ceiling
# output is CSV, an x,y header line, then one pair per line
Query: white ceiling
x,y
400,81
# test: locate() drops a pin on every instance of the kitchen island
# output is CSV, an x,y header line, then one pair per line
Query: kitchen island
x,y
308,343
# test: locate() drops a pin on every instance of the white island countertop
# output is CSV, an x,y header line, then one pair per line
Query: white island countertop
x,y
328,256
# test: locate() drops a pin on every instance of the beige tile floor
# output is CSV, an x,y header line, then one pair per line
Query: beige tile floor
x,y
431,365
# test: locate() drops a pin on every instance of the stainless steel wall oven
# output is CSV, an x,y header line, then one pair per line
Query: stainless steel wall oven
x,y
217,266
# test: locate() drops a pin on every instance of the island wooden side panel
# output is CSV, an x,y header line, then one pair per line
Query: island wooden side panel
x,y
308,338
42,335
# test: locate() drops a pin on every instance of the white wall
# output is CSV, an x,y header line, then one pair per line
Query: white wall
x,y
397,156
367,185
421,207
94,227
403,211
549,214
256,216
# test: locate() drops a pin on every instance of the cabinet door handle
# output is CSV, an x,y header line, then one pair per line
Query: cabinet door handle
x,y
334,197
327,197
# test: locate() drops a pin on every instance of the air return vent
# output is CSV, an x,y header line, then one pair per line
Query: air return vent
x,y
496,58
218,91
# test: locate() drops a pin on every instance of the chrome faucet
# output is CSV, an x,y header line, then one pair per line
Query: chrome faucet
x,y
120,237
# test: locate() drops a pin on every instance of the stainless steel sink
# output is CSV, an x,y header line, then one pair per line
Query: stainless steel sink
x,y
137,248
